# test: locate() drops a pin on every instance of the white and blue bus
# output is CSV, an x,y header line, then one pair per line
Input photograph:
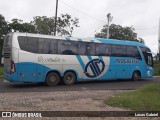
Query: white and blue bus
x,y
49,59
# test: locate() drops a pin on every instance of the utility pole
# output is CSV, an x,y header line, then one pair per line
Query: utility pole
x,y
56,18
109,19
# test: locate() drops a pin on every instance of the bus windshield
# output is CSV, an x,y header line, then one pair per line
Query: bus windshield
x,y
147,55
149,59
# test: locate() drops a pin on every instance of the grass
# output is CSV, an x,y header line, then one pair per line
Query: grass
x,y
1,71
157,68
145,98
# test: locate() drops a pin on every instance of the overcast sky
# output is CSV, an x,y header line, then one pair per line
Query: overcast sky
x,y
143,15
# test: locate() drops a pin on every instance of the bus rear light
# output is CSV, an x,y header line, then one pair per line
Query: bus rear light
x,y
13,68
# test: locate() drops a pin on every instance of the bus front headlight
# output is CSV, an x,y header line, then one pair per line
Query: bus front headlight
x,y
148,73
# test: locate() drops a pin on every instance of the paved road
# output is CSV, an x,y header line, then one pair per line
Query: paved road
x,y
94,85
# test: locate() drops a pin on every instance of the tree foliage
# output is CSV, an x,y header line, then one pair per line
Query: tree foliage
x,y
18,25
66,24
46,25
3,29
119,32
43,25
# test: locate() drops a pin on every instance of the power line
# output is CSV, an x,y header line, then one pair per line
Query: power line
x,y
95,17
82,12
145,28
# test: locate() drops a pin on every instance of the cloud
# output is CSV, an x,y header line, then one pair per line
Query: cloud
x,y
152,42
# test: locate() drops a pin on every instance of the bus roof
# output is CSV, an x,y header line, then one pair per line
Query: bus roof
x,y
121,42
96,40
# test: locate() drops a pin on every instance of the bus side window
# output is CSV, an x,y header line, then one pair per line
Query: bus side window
x,y
22,42
41,45
67,47
103,49
132,51
32,45
47,46
85,48
29,44
81,48
119,50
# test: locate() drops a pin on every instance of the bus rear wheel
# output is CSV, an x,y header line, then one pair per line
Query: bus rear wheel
x,y
53,79
135,76
69,78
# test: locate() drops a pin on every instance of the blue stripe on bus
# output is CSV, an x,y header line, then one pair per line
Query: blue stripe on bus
x,y
92,40
90,58
80,61
67,38
79,39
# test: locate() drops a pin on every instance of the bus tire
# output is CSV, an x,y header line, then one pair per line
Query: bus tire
x,y
135,76
69,78
52,79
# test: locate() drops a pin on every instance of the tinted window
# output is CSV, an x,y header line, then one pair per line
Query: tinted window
x,y
132,51
22,42
103,49
29,44
67,47
144,49
38,45
32,44
47,46
85,48
7,40
150,60
145,53
119,50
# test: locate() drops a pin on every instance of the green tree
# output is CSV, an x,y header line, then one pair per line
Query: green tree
x,y
18,25
46,25
118,32
43,24
66,24
141,40
3,31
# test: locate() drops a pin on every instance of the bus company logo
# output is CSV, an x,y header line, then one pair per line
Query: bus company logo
x,y
126,61
96,66
56,59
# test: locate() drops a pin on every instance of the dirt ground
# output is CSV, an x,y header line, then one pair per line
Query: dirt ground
x,y
62,101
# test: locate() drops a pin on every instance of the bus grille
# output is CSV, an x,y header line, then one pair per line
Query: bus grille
x,y
6,55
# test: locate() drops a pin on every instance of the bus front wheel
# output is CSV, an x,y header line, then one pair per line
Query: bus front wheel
x,y
53,79
69,78
135,76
